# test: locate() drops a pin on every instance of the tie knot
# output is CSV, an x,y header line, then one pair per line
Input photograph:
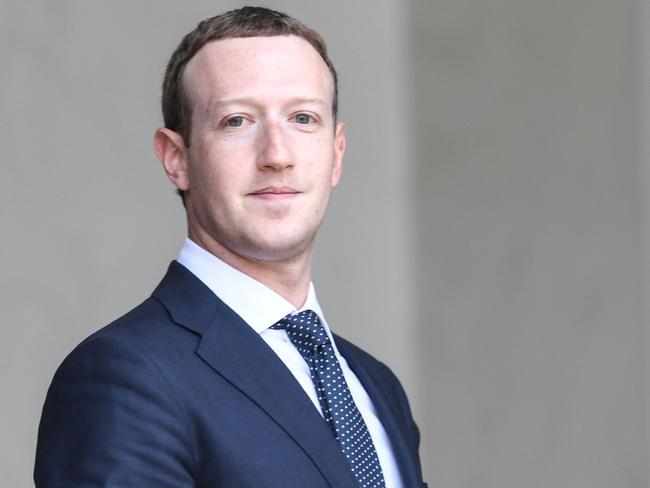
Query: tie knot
x,y
305,330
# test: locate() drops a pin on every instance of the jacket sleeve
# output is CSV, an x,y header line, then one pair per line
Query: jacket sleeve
x,y
111,420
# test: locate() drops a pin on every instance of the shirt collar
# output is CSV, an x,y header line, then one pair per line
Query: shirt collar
x,y
256,303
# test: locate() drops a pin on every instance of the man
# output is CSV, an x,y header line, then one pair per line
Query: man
x,y
229,375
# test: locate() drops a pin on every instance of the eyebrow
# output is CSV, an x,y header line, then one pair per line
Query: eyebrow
x,y
215,104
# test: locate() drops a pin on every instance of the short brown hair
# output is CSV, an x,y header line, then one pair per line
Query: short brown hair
x,y
243,22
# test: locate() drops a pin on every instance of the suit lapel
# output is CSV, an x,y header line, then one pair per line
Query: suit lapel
x,y
388,412
238,354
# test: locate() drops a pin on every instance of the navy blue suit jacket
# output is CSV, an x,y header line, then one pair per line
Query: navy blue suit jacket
x,y
180,392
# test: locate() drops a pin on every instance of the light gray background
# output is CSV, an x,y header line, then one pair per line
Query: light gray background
x,y
489,239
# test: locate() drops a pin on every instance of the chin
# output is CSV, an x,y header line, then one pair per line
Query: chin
x,y
277,250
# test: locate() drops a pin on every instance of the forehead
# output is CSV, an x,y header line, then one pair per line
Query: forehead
x,y
265,68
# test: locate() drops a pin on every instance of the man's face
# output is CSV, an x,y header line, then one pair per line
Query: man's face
x,y
264,151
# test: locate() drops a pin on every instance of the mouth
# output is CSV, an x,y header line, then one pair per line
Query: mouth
x,y
275,193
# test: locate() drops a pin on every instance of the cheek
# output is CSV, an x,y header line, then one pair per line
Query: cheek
x,y
319,152
217,168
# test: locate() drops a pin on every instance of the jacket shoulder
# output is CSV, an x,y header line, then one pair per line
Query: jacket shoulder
x,y
92,420
148,327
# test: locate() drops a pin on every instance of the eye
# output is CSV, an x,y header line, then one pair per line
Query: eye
x,y
303,118
236,121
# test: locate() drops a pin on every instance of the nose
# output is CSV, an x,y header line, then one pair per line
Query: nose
x,y
274,151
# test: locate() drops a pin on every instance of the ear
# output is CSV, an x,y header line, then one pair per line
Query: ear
x,y
339,149
171,151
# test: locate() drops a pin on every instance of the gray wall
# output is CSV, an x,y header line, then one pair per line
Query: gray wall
x,y
493,183
531,289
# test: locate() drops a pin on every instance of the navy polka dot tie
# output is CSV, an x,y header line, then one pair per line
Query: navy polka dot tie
x,y
341,414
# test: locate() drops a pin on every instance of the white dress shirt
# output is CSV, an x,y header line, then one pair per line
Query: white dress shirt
x,y
260,307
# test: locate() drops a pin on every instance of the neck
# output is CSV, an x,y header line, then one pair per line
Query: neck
x,y
289,278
